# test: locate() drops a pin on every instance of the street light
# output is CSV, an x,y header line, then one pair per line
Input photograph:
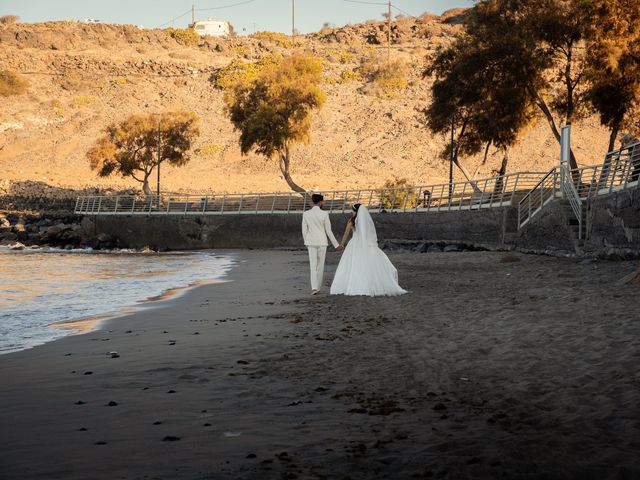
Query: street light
x,y
159,117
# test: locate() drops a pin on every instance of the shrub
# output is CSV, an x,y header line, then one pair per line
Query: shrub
x,y
84,101
120,81
239,72
348,75
403,194
184,36
345,56
278,38
386,78
12,83
9,19
209,149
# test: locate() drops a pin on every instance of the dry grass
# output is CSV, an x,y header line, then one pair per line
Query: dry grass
x,y
12,83
9,19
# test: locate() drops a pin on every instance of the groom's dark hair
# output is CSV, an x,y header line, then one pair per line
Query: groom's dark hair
x,y
317,198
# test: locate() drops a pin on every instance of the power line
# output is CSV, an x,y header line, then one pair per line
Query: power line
x,y
174,19
402,11
225,6
366,3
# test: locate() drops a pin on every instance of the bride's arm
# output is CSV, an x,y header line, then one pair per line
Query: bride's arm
x,y
347,231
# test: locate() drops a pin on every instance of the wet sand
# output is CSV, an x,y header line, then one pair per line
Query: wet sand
x,y
495,365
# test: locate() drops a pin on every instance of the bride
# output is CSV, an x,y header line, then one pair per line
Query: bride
x,y
364,269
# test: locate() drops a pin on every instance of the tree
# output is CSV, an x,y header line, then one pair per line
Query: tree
x,y
274,112
478,85
534,43
613,61
130,148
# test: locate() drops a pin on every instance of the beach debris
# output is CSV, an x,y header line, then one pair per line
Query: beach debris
x,y
82,429
170,438
100,443
251,455
231,434
112,404
89,372
172,342
171,391
114,354
80,402
206,424
464,379
243,362
633,277
157,422
439,406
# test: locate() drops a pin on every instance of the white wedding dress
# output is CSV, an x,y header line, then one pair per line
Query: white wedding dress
x,y
364,269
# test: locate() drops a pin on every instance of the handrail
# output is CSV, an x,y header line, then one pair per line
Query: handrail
x,y
571,194
535,200
485,193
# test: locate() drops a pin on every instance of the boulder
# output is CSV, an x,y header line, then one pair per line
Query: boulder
x,y
453,248
434,249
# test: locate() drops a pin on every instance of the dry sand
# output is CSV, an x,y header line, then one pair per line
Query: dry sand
x,y
494,365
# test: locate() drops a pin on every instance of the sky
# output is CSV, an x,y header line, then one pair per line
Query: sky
x,y
247,16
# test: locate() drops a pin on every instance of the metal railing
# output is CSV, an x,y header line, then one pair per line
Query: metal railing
x,y
486,193
535,200
570,192
620,170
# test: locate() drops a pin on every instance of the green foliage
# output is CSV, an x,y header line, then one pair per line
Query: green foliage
x,y
278,38
398,193
349,75
184,36
385,79
129,148
274,112
209,149
239,72
12,83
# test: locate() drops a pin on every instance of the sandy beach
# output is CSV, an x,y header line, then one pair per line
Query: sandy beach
x,y
495,365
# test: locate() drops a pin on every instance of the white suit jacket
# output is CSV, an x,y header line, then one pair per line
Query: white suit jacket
x,y
316,227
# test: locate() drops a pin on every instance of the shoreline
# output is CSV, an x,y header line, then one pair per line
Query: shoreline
x,y
533,375
120,307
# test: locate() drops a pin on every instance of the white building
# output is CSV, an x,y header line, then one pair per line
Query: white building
x,y
213,28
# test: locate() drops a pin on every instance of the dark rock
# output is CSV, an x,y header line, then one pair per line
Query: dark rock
x,y
452,248
434,249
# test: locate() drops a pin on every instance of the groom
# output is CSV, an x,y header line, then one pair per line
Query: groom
x,y
316,227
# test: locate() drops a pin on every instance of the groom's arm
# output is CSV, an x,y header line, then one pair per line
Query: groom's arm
x,y
327,228
305,228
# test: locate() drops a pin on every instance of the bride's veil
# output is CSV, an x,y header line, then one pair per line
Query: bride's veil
x,y
365,232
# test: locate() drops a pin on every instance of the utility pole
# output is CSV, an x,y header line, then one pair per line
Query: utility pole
x,y
453,126
293,21
389,34
159,117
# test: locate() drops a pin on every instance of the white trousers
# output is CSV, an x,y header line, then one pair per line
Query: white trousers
x,y
316,262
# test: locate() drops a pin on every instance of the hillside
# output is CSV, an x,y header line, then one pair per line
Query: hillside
x,y
82,77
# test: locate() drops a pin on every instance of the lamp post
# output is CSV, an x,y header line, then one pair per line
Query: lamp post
x,y
158,182
453,126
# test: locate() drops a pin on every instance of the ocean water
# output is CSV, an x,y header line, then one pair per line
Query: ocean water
x,y
40,288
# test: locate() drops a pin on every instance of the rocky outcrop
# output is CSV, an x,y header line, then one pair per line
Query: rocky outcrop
x,y
19,230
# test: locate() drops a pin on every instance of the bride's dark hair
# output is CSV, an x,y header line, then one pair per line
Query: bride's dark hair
x,y
355,208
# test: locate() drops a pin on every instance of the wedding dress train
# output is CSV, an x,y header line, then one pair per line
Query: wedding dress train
x,y
364,269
